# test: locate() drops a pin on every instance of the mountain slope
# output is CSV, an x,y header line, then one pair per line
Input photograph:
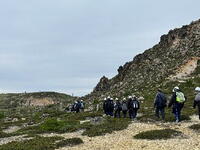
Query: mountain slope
x,y
176,56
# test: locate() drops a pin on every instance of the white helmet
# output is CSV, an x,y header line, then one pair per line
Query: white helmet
x,y
108,97
116,99
105,99
129,96
197,89
124,98
175,89
111,99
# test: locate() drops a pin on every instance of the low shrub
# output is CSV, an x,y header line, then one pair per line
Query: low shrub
x,y
195,127
69,142
158,134
37,143
108,126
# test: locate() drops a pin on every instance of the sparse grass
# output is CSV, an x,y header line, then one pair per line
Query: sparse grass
x,y
195,127
69,142
110,125
158,134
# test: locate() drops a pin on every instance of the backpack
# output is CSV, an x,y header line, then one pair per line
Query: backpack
x,y
135,105
180,98
161,100
124,106
82,106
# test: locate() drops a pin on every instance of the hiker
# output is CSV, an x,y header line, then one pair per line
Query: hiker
x,y
77,106
124,107
82,106
160,104
110,106
136,106
133,106
197,100
105,108
118,108
177,102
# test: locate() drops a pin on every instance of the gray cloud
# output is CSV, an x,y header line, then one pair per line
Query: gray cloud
x,y
68,45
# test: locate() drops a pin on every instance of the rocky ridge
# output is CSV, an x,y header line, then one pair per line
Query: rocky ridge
x,y
164,61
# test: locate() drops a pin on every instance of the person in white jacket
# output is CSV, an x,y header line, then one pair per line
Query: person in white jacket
x,y
197,100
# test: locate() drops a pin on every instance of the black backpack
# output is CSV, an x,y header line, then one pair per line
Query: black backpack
x,y
135,104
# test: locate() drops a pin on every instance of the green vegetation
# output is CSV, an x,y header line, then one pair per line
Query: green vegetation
x,y
41,143
195,127
158,134
69,142
108,126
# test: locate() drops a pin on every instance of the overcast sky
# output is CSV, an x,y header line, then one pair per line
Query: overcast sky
x,y
68,45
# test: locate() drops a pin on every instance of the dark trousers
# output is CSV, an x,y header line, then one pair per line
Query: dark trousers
x,y
110,112
160,111
124,113
133,113
117,113
177,111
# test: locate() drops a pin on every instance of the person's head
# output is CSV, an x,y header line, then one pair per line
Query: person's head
x,y
81,100
111,99
116,99
124,99
176,89
105,99
159,90
129,97
108,97
197,89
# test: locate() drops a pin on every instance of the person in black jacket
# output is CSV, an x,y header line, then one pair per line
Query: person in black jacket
x,y
136,106
160,104
177,103
118,108
133,106
105,107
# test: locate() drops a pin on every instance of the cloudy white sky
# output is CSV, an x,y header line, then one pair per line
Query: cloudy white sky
x,y
68,45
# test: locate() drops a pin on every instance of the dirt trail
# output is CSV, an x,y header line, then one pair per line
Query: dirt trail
x,y
123,140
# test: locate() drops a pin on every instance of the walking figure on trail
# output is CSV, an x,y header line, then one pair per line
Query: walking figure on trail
x,y
197,100
160,104
177,102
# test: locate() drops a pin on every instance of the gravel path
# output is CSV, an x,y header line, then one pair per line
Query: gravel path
x,y
123,140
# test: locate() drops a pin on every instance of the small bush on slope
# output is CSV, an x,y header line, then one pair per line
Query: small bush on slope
x,y
158,134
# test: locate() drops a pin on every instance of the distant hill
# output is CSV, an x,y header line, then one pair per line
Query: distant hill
x,y
37,99
173,61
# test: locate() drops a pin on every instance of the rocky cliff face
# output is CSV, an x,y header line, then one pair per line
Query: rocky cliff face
x,y
176,51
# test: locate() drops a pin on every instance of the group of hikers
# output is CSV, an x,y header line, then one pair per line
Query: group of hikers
x,y
77,106
132,105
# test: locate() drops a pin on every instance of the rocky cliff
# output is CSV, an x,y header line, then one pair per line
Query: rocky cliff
x,y
175,57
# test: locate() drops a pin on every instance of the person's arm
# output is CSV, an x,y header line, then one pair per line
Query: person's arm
x,y
155,101
194,104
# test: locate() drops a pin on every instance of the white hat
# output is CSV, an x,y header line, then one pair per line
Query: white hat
x,y
124,98
81,100
111,98
108,97
175,89
116,99
105,99
197,89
